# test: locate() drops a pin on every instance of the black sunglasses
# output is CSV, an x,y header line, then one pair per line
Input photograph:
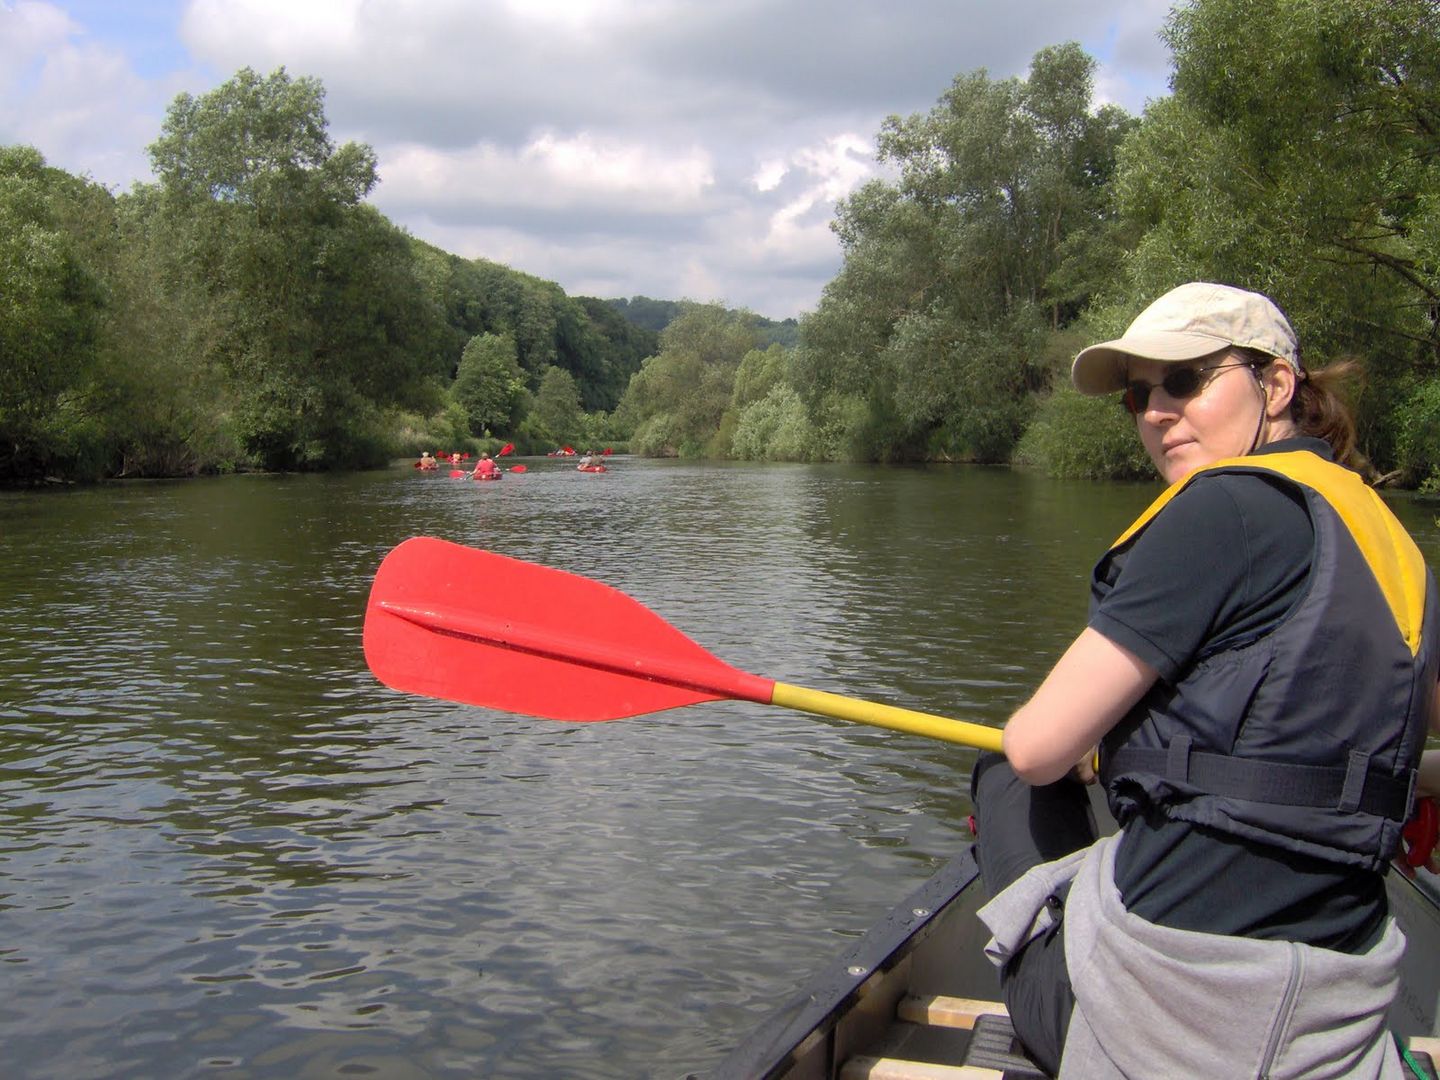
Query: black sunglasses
x,y
1181,383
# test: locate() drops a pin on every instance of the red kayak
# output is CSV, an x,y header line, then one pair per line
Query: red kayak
x,y
496,475
590,468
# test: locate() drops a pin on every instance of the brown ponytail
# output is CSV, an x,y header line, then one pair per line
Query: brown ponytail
x,y
1321,408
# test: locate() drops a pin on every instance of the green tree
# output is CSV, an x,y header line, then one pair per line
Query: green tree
x,y
166,409
51,304
776,428
1084,438
1297,156
490,385
760,371
557,413
606,351
323,320
926,343
676,402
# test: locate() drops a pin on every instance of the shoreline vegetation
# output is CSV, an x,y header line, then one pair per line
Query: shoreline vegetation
x,y
248,310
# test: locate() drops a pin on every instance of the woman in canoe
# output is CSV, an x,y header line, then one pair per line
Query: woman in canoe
x,y
1259,671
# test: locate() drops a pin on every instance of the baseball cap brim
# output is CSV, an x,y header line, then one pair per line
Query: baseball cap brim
x,y
1100,369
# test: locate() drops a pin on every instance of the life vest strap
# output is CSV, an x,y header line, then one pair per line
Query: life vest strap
x,y
1357,787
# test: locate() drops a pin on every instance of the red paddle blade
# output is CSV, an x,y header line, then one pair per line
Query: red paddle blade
x,y
464,625
517,468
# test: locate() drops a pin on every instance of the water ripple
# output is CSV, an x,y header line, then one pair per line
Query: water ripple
x,y
226,850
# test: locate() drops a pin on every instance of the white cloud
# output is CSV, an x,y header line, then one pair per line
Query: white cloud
x,y
670,147
798,231
27,29
587,165
1133,62
583,172
769,175
572,14
308,30
77,100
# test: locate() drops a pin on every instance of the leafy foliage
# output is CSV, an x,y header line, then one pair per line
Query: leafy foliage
x,y
1297,157
932,322
490,385
50,311
1418,436
320,314
557,416
776,428
676,402
1084,438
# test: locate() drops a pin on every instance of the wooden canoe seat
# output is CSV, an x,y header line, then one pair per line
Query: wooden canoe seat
x,y
948,1011
1425,1052
993,1052
868,1068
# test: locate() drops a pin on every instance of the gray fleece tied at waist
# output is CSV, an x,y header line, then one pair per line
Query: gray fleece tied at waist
x,y
1157,1002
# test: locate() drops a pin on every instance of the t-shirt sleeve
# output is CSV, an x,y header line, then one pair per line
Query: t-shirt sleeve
x,y
1221,563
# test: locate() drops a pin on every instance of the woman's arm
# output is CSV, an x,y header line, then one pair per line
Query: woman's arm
x,y
1094,684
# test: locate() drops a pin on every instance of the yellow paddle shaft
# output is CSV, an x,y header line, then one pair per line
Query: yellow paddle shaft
x,y
840,707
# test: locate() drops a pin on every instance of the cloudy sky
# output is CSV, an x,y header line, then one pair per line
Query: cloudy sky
x,y
667,148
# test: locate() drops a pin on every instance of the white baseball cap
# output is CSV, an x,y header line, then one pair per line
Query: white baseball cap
x,y
1194,320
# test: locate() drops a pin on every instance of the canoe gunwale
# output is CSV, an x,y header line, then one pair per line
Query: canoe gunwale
x,y
814,1011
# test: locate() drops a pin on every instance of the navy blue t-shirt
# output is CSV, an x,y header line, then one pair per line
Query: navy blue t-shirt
x,y
1219,567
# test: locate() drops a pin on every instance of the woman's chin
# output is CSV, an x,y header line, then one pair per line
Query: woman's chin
x,y
1177,464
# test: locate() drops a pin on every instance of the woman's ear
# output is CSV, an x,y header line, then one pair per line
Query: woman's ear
x,y
1279,383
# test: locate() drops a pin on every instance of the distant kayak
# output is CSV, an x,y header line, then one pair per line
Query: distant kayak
x,y
590,468
496,475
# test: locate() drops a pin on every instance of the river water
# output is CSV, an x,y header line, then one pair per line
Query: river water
x,y
226,850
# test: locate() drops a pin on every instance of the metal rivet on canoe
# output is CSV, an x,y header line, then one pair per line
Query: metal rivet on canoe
x,y
856,969
920,912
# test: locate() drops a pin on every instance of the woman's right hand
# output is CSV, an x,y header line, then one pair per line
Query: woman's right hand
x,y
1085,769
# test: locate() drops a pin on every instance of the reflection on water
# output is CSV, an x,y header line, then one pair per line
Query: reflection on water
x,y
224,849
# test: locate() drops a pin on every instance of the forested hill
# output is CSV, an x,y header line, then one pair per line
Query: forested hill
x,y
582,335
656,315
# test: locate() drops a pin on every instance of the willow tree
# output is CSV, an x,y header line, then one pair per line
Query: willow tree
x,y
323,322
1300,155
929,341
676,402
51,304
